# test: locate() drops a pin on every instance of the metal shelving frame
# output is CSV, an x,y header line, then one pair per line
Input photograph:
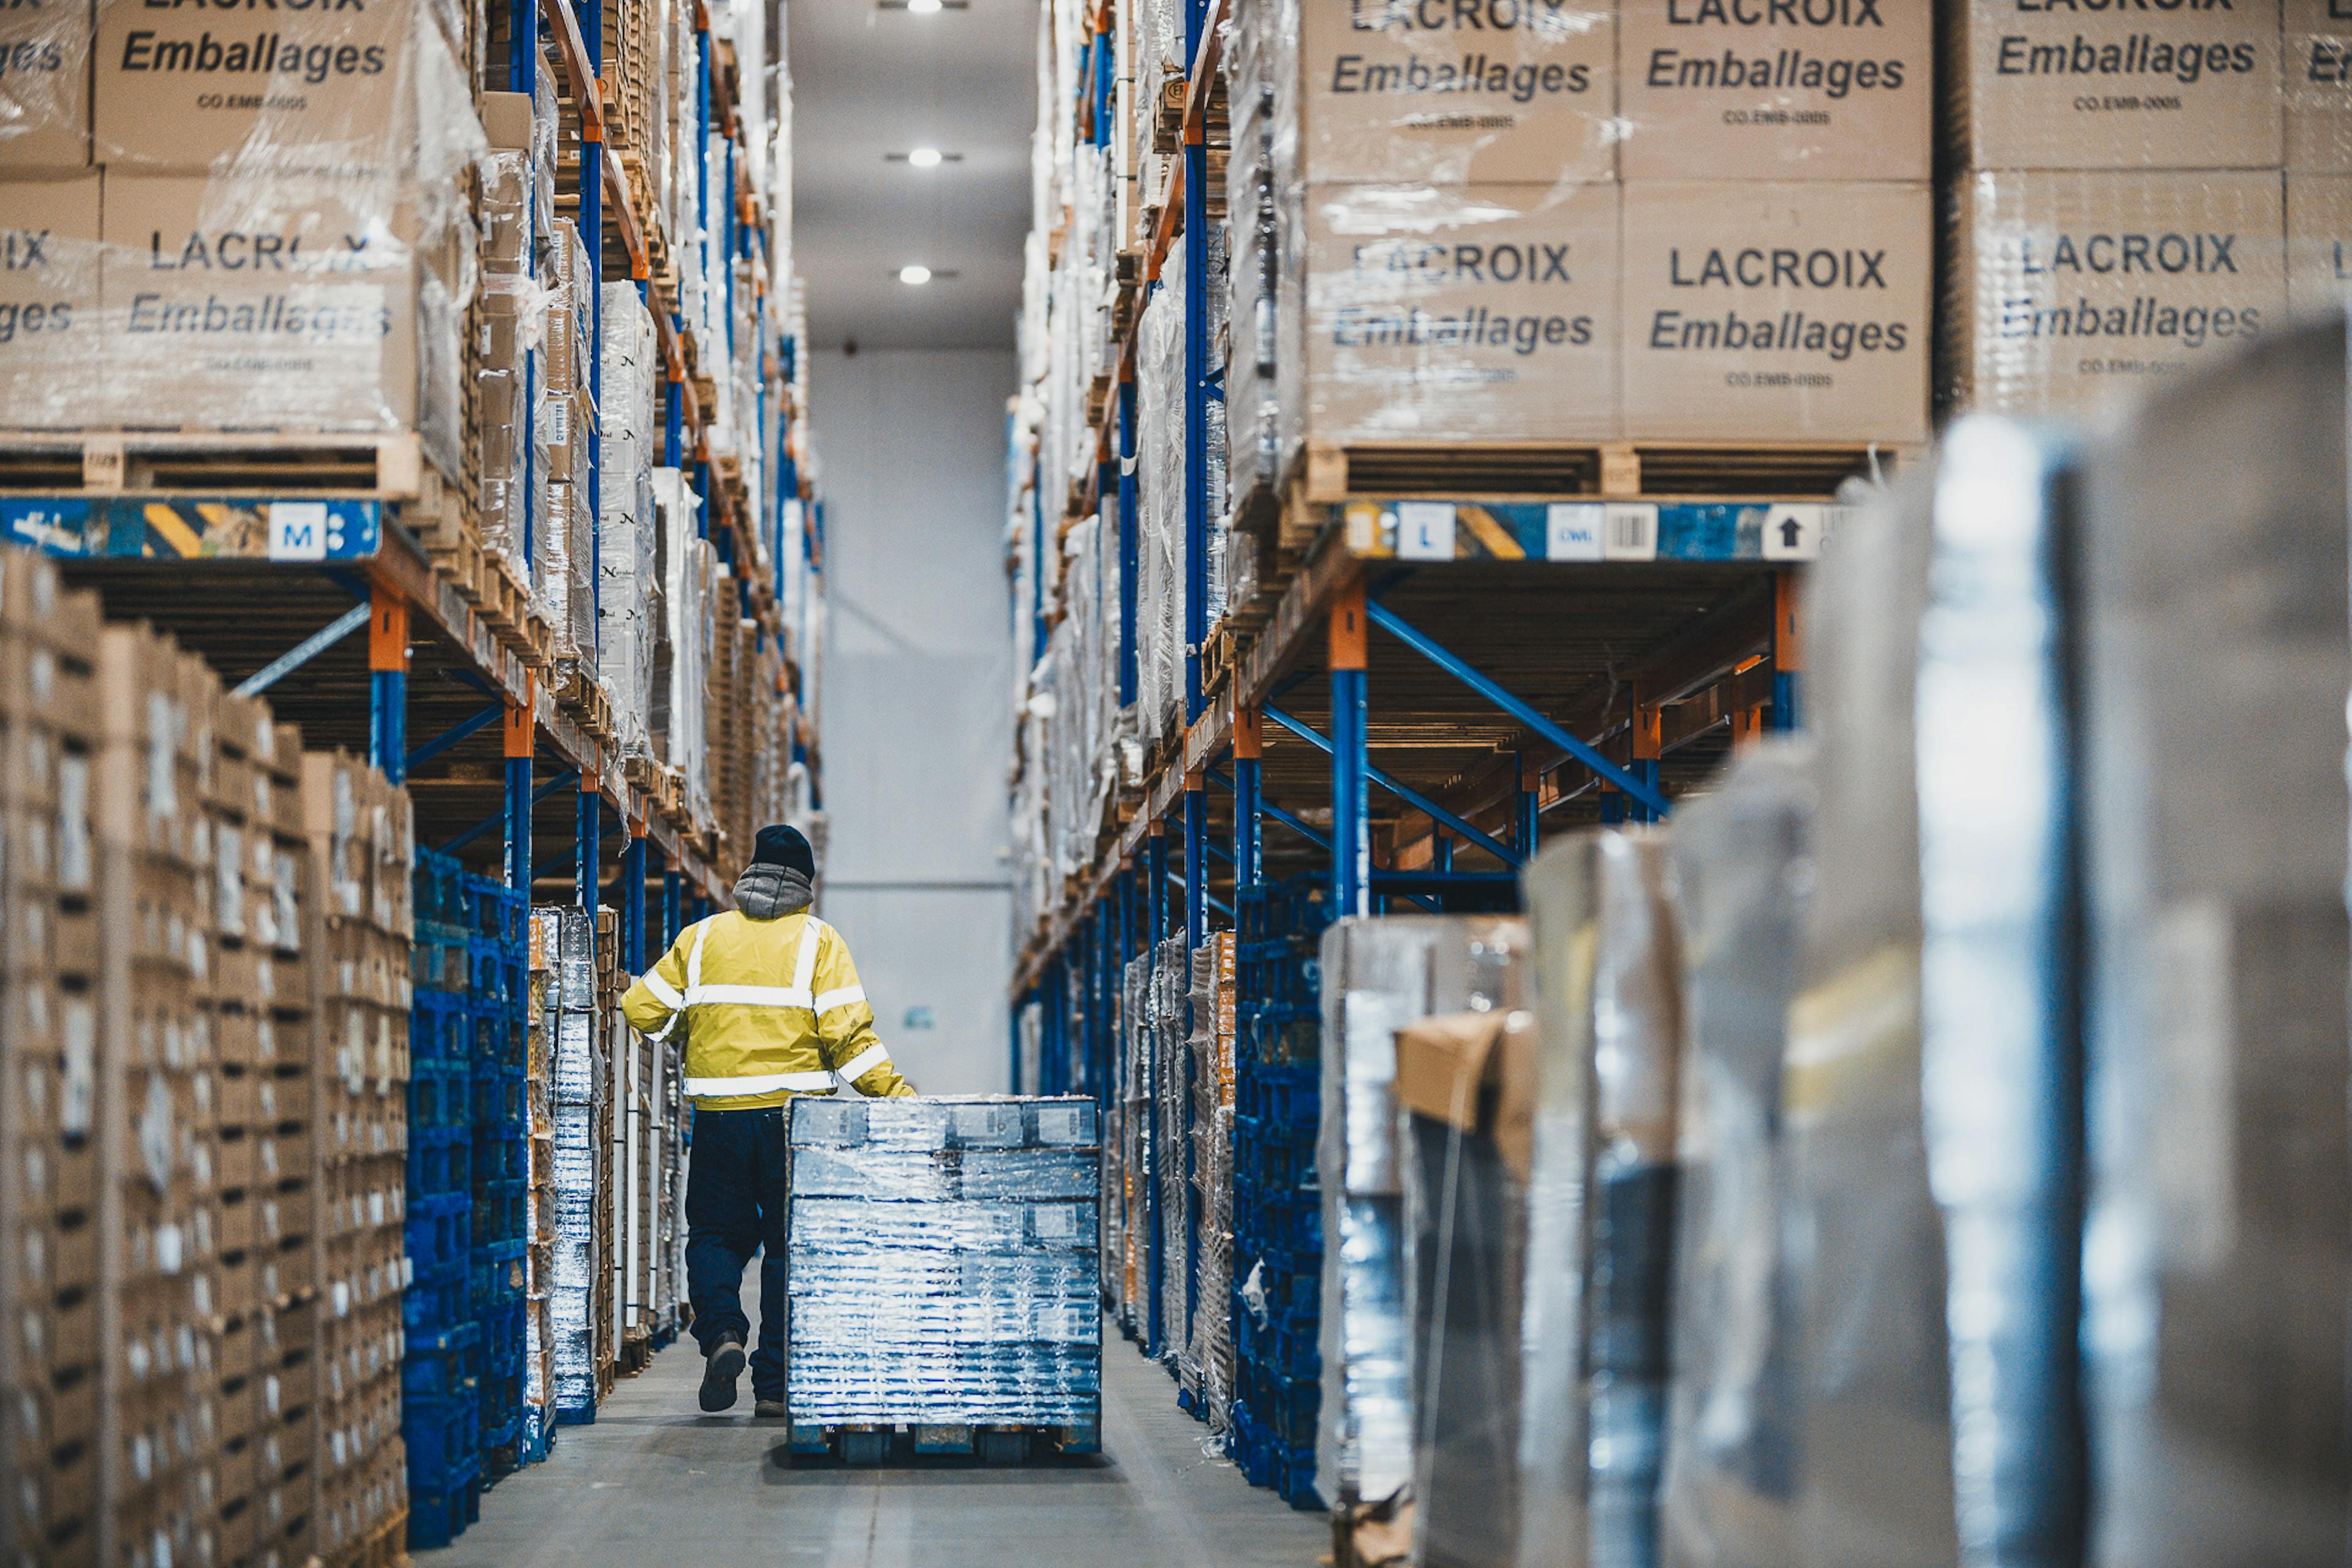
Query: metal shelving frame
x,y
1518,661
194,564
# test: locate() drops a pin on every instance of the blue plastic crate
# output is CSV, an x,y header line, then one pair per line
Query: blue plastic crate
x,y
445,1372
443,1436
440,1161
501,1154
496,911
440,1094
437,1313
494,1276
440,1028
438,1231
497,972
501,1213
438,884
501,1041
497,1101
438,1514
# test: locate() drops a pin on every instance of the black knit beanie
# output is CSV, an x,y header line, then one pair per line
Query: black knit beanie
x,y
783,845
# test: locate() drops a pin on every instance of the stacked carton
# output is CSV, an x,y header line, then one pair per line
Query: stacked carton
x,y
259,1017
1647,220
50,1273
1207,1365
562,432
578,1273
539,1327
362,925
219,259
1008,1333
160,1261
2116,214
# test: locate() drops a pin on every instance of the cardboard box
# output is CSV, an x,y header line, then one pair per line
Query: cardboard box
x,y
2070,289
1726,89
2319,86
2318,227
1476,1072
45,86
1758,312
49,328
505,207
2046,84
271,307
1397,91
1485,312
184,89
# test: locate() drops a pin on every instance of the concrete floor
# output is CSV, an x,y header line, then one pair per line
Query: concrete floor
x,y
654,1480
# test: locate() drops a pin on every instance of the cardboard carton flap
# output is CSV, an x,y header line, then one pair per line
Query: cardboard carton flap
x,y
1474,1071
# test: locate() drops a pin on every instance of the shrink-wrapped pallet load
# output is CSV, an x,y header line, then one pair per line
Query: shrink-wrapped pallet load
x,y
2218,1278
943,1267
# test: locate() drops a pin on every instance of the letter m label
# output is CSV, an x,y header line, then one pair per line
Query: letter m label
x,y
298,530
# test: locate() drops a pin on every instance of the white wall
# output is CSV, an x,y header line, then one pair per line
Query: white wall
x,y
917,702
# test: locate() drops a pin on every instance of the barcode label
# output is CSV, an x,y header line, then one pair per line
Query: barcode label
x,y
1631,532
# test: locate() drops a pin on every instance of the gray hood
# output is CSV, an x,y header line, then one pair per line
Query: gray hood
x,y
771,893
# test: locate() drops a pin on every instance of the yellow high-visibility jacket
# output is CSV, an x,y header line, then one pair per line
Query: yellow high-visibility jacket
x,y
770,1009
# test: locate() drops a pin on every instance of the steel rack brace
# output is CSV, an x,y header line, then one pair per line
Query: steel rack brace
x,y
303,652
1403,791
501,819
1485,687
463,730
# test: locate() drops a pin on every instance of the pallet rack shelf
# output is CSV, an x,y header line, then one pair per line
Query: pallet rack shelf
x,y
1452,651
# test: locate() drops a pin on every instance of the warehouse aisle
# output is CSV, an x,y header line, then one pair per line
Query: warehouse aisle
x,y
652,1479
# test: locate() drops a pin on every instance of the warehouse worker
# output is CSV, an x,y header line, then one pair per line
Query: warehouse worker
x,y
771,1007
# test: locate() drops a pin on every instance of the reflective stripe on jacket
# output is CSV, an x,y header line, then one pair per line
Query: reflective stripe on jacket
x,y
770,1009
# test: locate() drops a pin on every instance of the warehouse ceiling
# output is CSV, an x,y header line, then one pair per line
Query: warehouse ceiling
x,y
873,79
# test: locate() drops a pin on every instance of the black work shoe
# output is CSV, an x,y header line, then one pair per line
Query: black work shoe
x,y
768,1409
720,1368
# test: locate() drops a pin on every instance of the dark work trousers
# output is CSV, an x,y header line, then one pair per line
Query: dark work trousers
x,y
734,1206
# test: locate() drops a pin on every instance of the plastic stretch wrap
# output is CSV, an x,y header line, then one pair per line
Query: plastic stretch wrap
x,y
2219,1238
911,1307
580,1074
1999,1043
1375,981
1463,1212
1741,873
302,264
1861,1232
1136,1148
1159,503
688,563
1209,1361
1171,1146
629,607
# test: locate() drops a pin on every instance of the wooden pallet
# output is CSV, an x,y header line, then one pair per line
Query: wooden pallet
x,y
387,1547
384,466
1615,471
658,783
877,1443
580,696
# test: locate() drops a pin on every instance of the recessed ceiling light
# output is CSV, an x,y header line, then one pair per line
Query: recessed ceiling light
x,y
924,157
914,275
923,7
